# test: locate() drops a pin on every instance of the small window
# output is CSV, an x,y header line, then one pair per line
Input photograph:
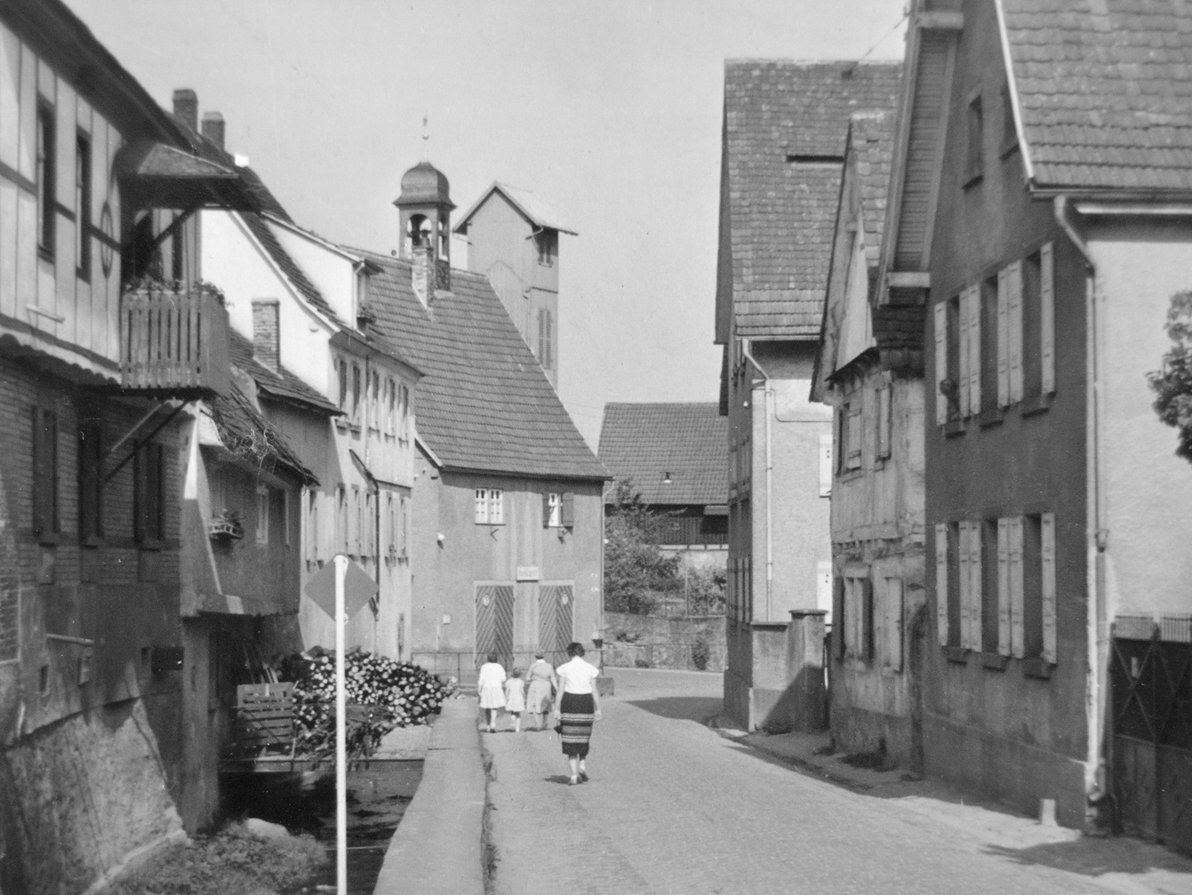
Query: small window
x,y
46,171
490,506
342,371
403,411
547,242
553,510
1009,132
90,482
341,518
262,514
546,338
149,474
357,393
374,399
974,158
312,527
390,407
83,206
45,474
883,421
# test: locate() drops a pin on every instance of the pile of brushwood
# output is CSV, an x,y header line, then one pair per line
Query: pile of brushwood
x,y
382,694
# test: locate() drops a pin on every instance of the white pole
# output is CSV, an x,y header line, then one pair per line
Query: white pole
x,y
341,732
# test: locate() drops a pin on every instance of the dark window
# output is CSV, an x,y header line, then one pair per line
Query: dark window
x,y
1032,585
141,260
45,473
547,242
90,481
952,386
989,586
356,389
177,270
83,205
953,595
1032,326
1009,134
974,159
989,346
343,384
150,497
45,178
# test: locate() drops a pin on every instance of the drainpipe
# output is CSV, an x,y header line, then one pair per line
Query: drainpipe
x,y
768,397
1097,625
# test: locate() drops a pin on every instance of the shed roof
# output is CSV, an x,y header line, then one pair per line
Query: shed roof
x,y
484,404
1104,92
785,124
280,383
685,443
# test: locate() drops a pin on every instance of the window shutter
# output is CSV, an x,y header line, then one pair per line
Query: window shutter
x,y
1049,586
975,594
974,352
854,438
893,624
883,421
1003,587
1017,609
838,610
966,587
546,509
825,466
963,377
1003,337
941,582
1014,329
1047,318
823,584
867,632
567,510
941,361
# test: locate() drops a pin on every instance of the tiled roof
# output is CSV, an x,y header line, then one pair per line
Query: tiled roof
x,y
872,142
645,442
1105,90
484,403
536,211
282,384
288,266
785,125
245,432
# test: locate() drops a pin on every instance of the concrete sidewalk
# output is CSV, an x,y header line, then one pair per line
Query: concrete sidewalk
x,y
437,849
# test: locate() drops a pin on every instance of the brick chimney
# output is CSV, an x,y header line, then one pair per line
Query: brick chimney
x,y
186,107
266,337
213,128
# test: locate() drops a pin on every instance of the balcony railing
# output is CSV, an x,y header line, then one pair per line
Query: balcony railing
x,y
174,342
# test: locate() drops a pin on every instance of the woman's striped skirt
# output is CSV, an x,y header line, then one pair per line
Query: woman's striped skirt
x,y
578,711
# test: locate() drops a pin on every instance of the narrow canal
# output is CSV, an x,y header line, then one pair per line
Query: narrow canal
x,y
378,793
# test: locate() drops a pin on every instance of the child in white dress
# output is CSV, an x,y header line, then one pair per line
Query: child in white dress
x,y
515,698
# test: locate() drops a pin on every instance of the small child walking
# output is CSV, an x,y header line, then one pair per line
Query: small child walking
x,y
515,698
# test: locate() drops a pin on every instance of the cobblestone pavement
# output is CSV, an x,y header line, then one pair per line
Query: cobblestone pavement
x,y
674,807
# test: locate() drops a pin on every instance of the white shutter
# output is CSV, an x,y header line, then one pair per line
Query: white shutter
x,y
966,588
1047,550
1003,587
975,597
1047,318
892,624
964,379
1017,608
941,582
974,352
1014,328
823,585
1003,337
941,361
825,465
883,421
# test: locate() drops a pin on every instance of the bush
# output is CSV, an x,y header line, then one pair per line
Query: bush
x,y
382,694
700,654
642,663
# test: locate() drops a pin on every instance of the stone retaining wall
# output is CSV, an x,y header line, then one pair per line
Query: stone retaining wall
x,y
645,641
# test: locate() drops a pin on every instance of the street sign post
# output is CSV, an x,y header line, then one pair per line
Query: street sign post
x,y
341,590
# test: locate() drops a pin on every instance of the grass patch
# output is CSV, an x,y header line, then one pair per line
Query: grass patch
x,y
231,862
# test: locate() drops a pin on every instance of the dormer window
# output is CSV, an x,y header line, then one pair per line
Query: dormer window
x,y
547,242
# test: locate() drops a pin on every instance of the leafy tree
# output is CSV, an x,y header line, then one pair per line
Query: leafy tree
x,y
636,570
1173,383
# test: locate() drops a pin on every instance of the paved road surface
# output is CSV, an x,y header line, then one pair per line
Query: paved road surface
x,y
675,807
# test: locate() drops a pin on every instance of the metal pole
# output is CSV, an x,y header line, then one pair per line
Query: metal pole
x,y
341,731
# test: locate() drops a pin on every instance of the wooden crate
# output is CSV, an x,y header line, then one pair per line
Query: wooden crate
x,y
264,718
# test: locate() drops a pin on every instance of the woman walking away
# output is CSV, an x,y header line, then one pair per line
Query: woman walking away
x,y
541,690
490,684
577,707
515,698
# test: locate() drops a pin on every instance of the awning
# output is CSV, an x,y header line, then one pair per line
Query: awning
x,y
156,175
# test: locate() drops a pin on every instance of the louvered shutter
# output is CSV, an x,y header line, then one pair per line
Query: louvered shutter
x,y
1003,337
1047,550
964,380
941,361
883,421
567,510
941,582
1014,330
975,595
966,587
892,625
1017,608
1003,587
1047,318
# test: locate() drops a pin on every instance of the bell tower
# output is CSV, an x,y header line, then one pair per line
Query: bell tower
x,y
425,208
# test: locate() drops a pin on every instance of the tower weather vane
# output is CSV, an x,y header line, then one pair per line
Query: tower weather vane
x,y
425,137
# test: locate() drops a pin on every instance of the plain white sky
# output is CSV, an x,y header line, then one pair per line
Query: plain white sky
x,y
608,110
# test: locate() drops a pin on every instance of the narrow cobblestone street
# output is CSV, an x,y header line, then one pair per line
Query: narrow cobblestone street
x,y
674,806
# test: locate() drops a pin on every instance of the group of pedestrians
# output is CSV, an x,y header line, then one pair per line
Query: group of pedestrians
x,y
569,691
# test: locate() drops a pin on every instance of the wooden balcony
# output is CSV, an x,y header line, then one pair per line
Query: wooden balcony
x,y
174,343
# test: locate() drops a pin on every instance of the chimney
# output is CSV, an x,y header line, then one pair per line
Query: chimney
x,y
266,339
213,128
186,107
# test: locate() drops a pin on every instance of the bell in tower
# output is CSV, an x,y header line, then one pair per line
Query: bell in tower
x,y
425,209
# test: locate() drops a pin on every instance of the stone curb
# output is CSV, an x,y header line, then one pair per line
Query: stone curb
x,y
437,848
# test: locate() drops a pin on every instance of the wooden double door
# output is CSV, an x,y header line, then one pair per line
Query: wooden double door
x,y
512,619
